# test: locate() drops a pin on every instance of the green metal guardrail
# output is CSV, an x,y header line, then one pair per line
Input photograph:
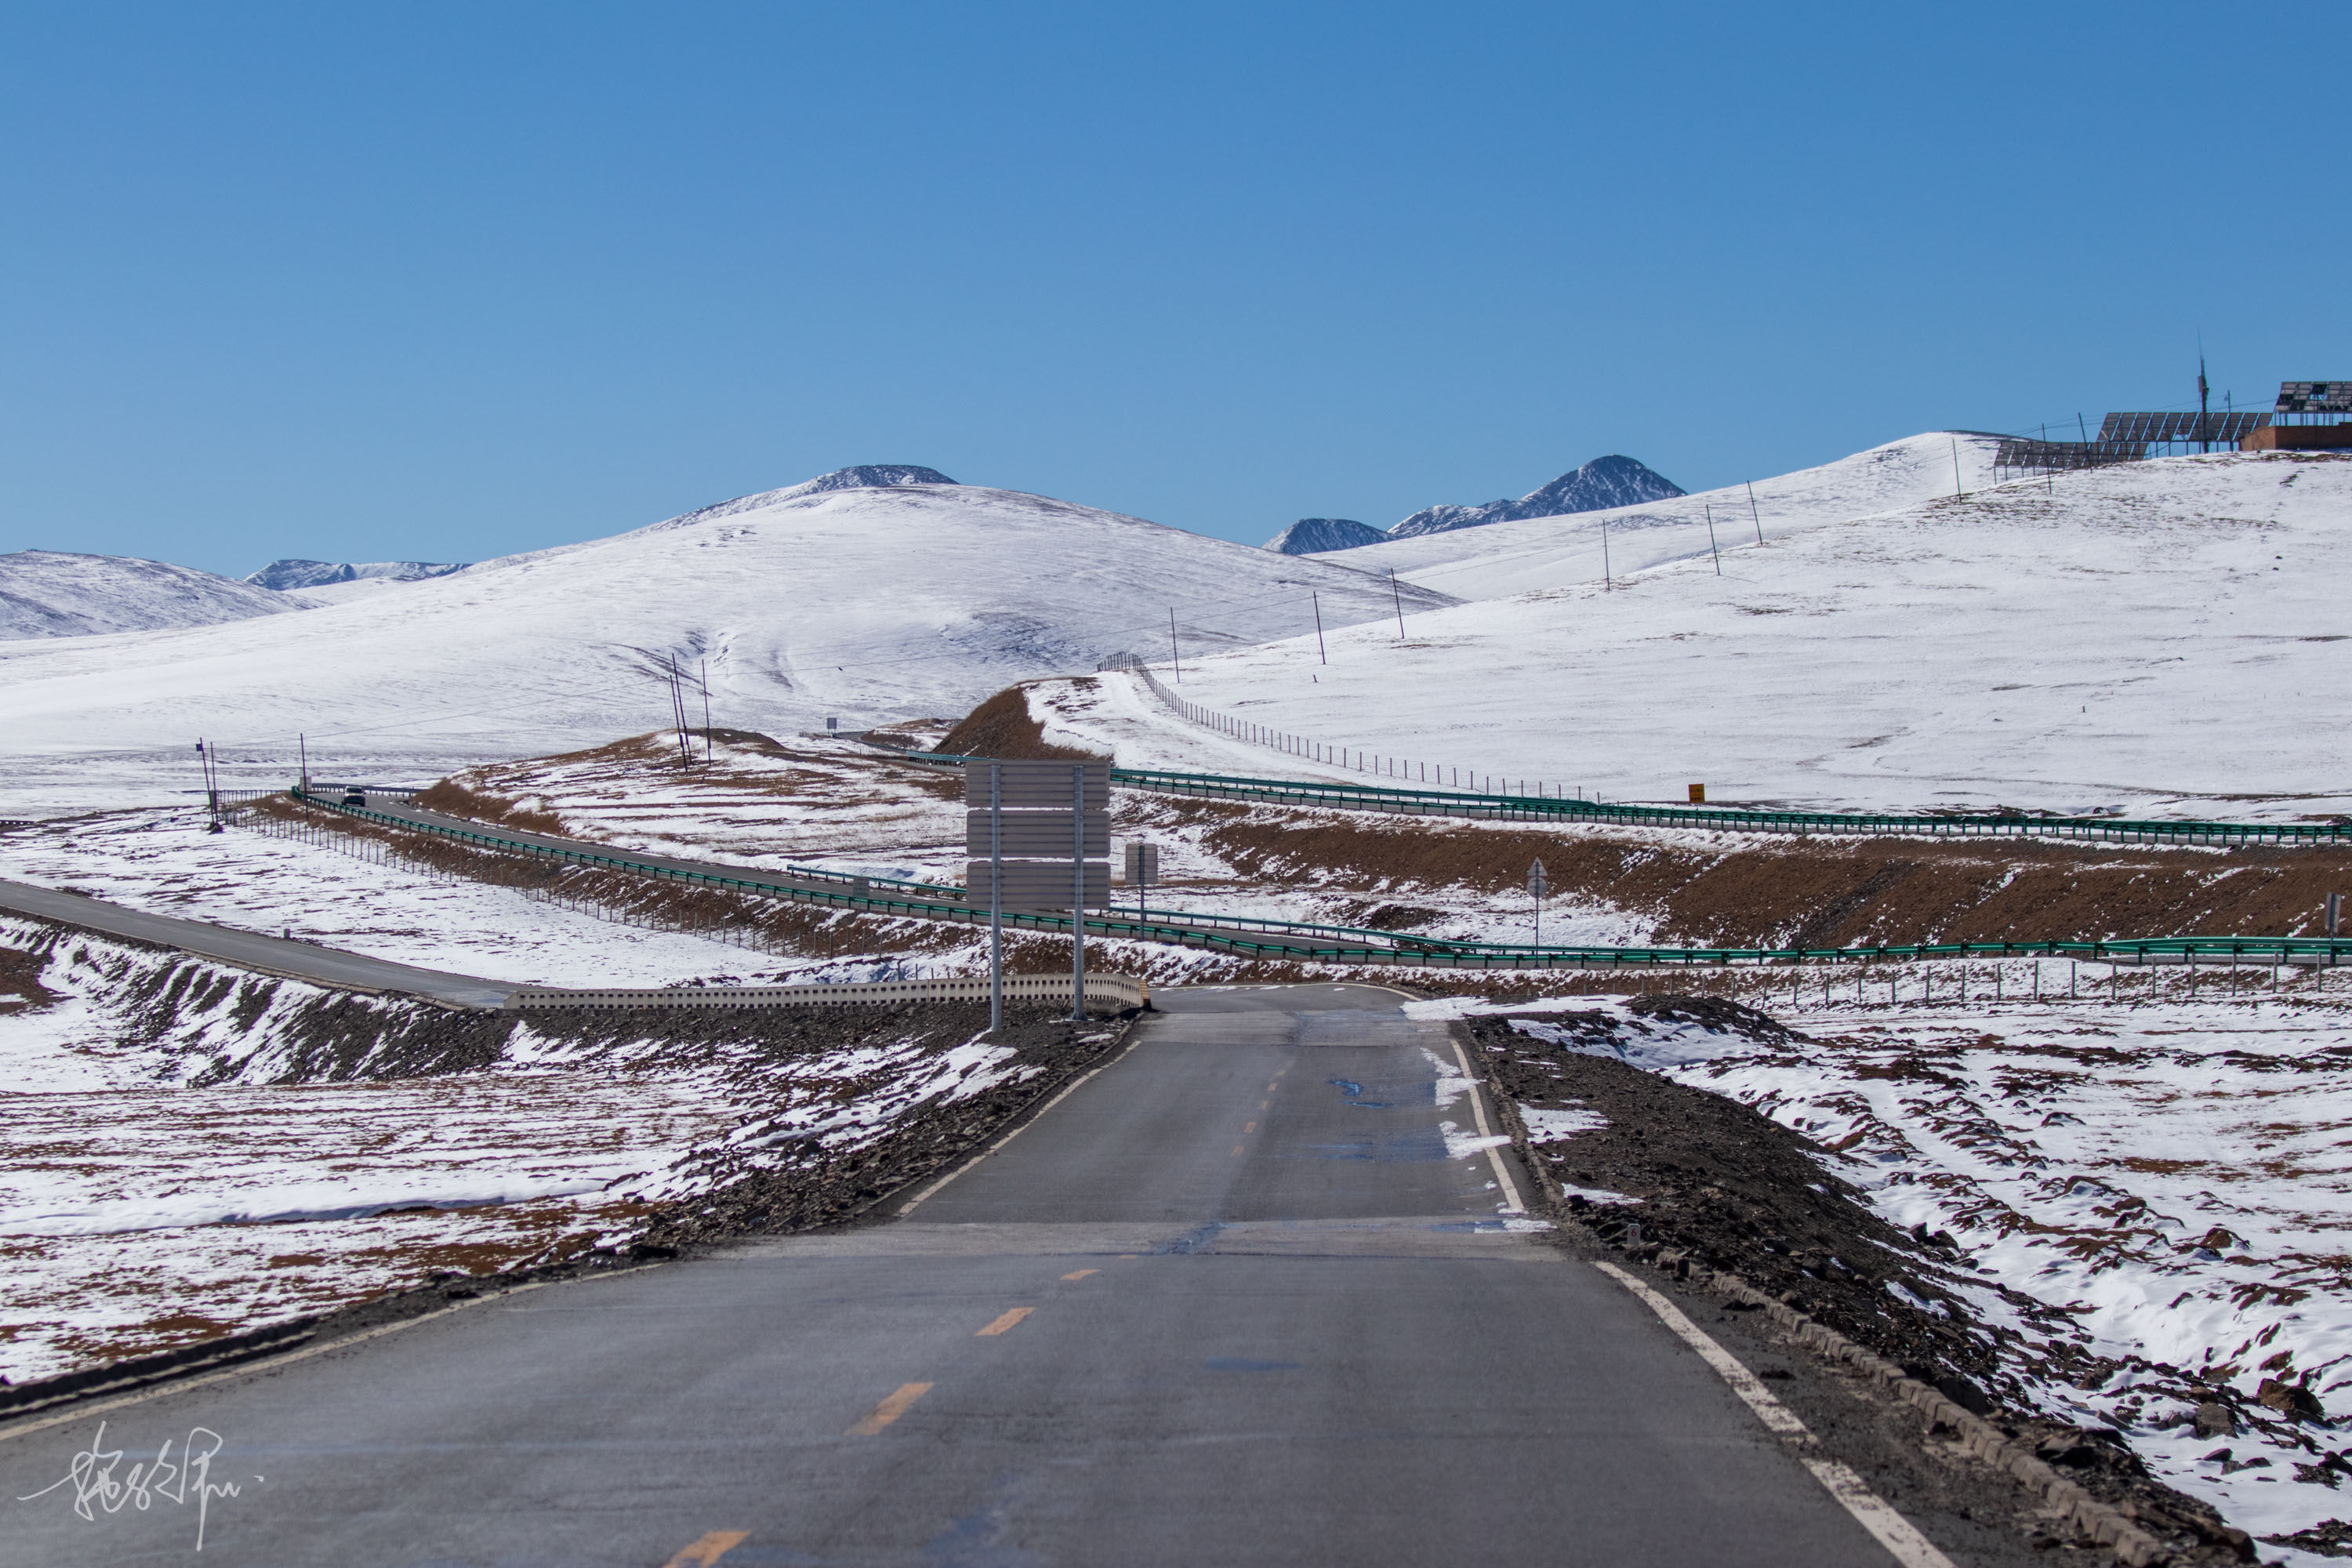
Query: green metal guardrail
x,y
1398,950
1422,801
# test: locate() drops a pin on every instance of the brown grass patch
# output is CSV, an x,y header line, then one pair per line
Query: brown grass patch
x,y
453,799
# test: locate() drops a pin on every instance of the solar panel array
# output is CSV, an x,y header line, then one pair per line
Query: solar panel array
x,y
2314,397
2190,426
2060,456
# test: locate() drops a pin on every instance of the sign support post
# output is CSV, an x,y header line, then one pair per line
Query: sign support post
x,y
995,899
1078,893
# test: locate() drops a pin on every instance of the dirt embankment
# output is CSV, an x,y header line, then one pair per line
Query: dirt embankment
x,y
1740,1193
1003,728
1811,892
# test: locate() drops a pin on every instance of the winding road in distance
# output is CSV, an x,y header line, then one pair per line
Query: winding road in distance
x,y
1244,1296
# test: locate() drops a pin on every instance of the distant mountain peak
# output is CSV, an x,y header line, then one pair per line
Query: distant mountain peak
x,y
295,573
1311,534
1599,486
860,476
874,476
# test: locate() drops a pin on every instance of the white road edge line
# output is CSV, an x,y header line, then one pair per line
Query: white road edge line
x,y
1070,1089
1493,1152
1870,1511
260,1363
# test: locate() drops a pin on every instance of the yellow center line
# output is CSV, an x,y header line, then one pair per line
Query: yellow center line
x,y
1080,1273
890,1410
1249,1128
1263,1103
1269,1087
709,1549
1005,1322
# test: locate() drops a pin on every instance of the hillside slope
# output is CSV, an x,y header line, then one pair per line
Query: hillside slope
x,y
1517,555
872,604
2166,638
59,593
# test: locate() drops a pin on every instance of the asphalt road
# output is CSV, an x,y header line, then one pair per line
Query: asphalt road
x,y
324,965
1232,1300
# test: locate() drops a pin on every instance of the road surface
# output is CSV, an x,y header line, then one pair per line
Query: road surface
x,y
324,965
1233,1299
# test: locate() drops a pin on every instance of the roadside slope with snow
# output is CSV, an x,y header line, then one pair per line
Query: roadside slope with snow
x,y
2163,637
874,603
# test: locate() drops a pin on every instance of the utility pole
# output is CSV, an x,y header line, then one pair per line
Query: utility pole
x,y
2204,430
1711,550
304,742
1535,887
705,713
1319,651
1958,487
1173,657
1604,556
1757,516
1396,595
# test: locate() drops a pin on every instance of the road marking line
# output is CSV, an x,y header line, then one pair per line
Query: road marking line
x,y
1080,1273
1494,1155
1893,1532
1248,1127
1004,1321
1264,1104
709,1549
1269,1087
1237,1151
1135,1037
890,1410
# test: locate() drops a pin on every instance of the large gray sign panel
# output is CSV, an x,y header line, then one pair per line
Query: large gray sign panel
x,y
1032,835
1034,786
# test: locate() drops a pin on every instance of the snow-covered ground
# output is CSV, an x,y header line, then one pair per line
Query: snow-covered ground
x,y
2168,1172
2160,638
164,861
146,1201
871,605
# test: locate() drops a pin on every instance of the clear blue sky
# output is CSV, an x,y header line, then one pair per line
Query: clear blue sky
x,y
450,281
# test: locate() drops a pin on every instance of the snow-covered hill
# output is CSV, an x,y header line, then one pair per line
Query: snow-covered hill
x,y
2165,637
1313,535
1602,483
57,593
872,604
1517,554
